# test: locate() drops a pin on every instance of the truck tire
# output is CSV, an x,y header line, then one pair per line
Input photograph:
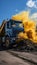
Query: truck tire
x,y
0,41
7,42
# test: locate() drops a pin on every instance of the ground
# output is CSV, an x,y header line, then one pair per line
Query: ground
x,y
9,59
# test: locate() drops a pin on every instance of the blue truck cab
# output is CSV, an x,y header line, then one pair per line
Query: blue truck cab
x,y
12,29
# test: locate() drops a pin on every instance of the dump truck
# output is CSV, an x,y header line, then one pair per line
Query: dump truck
x,y
9,31
15,33
19,31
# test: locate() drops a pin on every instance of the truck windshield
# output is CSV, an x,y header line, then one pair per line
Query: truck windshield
x,y
19,24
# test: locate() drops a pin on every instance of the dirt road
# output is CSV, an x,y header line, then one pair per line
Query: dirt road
x,y
8,59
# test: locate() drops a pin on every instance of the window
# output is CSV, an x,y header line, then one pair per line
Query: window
x,y
19,24
7,24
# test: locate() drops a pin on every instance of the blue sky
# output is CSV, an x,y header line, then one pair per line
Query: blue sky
x,y
8,8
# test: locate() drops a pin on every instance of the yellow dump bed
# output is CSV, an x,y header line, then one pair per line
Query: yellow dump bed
x,y
2,28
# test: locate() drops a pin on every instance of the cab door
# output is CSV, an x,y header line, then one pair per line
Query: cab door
x,y
8,29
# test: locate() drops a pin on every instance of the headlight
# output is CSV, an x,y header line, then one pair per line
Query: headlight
x,y
20,25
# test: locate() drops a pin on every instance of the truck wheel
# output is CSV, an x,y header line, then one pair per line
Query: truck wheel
x,y
7,43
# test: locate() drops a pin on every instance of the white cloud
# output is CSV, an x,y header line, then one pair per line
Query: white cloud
x,y
31,4
34,17
35,6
